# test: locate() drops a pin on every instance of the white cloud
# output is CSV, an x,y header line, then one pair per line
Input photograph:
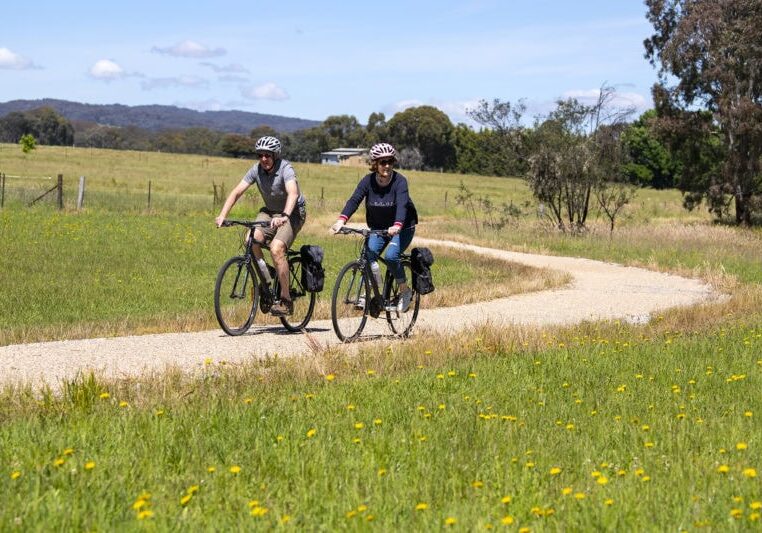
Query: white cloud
x,y
266,91
12,61
107,70
231,68
621,99
192,82
189,49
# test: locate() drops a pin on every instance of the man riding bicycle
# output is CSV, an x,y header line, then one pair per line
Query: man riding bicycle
x,y
284,209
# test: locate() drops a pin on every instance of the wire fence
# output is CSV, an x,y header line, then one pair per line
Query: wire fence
x,y
74,193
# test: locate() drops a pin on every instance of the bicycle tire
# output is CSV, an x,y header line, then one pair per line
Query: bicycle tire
x,y
236,297
401,323
303,300
347,316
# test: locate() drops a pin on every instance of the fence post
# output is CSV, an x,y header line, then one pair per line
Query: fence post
x,y
149,195
2,189
445,200
60,191
81,192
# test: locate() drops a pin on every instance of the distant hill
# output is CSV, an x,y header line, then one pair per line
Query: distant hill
x,y
161,117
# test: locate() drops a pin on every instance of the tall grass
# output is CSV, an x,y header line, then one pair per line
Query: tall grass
x,y
606,431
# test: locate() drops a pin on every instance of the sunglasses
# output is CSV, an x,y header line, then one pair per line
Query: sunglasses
x,y
385,162
265,156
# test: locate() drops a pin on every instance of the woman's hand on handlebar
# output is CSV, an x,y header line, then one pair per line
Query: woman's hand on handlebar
x,y
393,230
219,220
337,226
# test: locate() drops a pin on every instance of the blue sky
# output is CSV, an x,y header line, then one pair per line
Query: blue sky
x,y
312,59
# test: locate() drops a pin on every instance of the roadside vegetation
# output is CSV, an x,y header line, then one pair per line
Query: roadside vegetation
x,y
598,426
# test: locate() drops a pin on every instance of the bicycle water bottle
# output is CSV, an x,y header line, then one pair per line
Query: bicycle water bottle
x,y
265,271
376,273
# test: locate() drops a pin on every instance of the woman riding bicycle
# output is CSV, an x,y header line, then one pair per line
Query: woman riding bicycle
x,y
284,209
387,207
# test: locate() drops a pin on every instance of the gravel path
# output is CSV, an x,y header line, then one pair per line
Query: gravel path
x,y
598,291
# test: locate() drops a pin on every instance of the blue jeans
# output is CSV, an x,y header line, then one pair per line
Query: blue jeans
x,y
397,245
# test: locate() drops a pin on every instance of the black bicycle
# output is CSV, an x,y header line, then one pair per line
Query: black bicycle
x,y
356,294
242,288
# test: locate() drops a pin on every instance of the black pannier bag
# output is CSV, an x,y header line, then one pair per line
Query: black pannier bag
x,y
421,260
313,275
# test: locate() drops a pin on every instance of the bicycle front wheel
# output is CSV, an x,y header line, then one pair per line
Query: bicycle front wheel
x,y
236,295
401,322
304,301
349,303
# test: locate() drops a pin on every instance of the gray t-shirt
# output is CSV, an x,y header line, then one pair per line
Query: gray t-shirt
x,y
272,186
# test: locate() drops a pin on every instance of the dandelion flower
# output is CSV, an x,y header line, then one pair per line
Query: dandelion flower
x,y
741,446
359,425
68,451
104,396
89,465
755,505
381,472
377,422
750,472
58,462
723,469
603,480
555,471
736,513
259,511
608,501
566,491
422,506
330,377
507,520
142,515
235,469
579,495
211,469
185,499
311,433
123,404
477,484
450,521
15,475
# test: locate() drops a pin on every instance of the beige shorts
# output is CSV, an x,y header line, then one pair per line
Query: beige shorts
x,y
287,232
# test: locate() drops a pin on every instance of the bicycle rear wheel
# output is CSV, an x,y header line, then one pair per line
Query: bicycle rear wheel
x,y
401,323
236,295
349,302
304,301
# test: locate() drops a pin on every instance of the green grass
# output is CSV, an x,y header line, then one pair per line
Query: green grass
x,y
74,275
639,429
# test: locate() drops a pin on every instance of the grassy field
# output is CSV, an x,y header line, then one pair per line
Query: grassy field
x,y
599,426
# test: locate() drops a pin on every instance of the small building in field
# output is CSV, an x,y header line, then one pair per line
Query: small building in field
x,y
345,156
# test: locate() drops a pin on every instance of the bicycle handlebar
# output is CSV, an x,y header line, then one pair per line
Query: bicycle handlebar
x,y
362,231
251,224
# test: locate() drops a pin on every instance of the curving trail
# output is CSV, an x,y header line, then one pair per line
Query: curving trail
x,y
599,290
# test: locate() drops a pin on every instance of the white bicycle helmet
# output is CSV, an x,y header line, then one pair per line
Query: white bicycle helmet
x,y
382,150
268,144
